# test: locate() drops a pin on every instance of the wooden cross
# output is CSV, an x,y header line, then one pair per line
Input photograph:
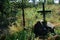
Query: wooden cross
x,y
44,12
44,16
23,13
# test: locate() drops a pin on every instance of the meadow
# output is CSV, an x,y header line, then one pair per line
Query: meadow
x,y
31,17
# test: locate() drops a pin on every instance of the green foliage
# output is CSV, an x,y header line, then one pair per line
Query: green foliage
x,y
50,1
8,11
57,30
7,15
22,35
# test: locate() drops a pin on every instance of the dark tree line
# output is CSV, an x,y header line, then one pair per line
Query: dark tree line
x,y
8,13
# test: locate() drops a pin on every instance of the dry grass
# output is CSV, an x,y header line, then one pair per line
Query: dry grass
x,y
31,13
14,29
56,37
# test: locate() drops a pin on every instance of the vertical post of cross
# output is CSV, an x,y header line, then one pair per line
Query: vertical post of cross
x,y
43,12
23,13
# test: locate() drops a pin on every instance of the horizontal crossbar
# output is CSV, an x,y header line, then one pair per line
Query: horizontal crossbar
x,y
44,11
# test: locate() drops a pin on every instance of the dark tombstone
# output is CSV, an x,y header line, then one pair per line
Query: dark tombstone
x,y
39,30
42,30
50,27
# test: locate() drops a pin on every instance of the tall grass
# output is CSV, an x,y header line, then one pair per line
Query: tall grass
x,y
22,35
30,19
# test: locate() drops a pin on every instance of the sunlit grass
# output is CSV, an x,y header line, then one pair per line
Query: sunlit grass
x,y
30,20
31,13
